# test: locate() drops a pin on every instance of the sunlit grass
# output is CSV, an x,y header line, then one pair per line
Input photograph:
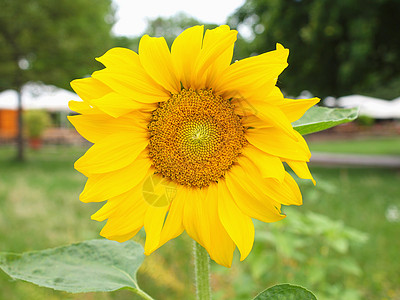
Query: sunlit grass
x,y
378,145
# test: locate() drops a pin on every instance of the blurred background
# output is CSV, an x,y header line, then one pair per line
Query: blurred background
x,y
343,243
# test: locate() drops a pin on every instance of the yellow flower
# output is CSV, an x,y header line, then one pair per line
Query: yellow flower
x,y
185,140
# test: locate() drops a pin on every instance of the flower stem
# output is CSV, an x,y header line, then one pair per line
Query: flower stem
x,y
202,272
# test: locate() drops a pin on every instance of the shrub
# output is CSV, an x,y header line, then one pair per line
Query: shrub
x,y
35,122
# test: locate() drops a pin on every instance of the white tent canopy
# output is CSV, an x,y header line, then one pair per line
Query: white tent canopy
x,y
38,96
372,107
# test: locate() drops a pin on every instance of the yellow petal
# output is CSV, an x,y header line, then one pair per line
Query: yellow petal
x,y
119,58
224,59
253,121
117,105
253,91
135,85
255,73
272,96
89,88
269,166
125,213
157,61
195,217
244,108
173,226
202,223
95,127
295,109
217,42
286,193
126,75
158,190
249,198
111,153
123,238
100,187
104,212
116,206
153,223
247,107
238,225
84,108
274,116
274,142
222,247
301,169
185,50
274,192
292,184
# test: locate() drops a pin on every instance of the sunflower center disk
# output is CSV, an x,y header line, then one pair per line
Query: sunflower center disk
x,y
195,137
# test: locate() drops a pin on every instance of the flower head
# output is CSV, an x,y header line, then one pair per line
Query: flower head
x,y
185,140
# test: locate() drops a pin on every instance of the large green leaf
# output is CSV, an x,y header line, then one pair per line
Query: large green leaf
x,y
285,292
90,266
321,118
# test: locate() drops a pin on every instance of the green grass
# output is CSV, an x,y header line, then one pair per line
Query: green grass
x,y
364,199
39,208
383,146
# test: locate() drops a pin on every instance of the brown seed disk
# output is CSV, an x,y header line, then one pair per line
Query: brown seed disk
x,y
195,137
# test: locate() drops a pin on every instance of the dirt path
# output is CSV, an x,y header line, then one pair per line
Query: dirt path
x,y
355,160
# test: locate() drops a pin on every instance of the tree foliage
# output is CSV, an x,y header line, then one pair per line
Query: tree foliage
x,y
337,46
169,27
51,41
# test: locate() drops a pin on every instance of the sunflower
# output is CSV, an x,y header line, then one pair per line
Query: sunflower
x,y
185,140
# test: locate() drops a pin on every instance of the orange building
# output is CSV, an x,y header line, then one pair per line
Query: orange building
x,y
8,123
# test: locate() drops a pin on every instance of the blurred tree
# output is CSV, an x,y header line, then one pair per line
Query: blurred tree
x,y
172,26
51,41
337,46
126,42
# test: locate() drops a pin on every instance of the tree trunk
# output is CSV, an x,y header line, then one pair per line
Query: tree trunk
x,y
20,138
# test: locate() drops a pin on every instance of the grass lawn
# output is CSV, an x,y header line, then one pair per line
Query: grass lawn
x,y
367,200
39,208
383,145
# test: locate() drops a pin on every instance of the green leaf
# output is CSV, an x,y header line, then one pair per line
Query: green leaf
x,y
321,118
285,292
90,266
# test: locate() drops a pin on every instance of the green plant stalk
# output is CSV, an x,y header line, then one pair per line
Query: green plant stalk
x,y
202,272
140,293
